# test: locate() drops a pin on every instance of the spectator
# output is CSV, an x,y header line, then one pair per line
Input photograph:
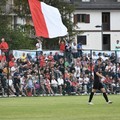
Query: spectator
x,y
16,82
12,62
30,88
62,45
74,49
39,45
48,86
4,45
3,57
23,58
54,84
60,84
79,49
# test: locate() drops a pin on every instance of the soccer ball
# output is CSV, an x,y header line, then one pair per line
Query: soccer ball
x,y
103,79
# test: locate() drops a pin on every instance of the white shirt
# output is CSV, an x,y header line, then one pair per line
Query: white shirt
x,y
39,46
60,81
54,83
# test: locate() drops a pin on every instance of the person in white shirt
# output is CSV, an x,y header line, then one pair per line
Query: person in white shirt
x,y
39,45
54,84
60,84
74,49
85,81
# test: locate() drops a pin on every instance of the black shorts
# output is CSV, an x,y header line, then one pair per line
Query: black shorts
x,y
97,85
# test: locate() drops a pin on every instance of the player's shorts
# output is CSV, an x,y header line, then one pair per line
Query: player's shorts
x,y
98,85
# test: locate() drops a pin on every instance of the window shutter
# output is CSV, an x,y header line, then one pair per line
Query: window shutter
x,y
75,19
87,20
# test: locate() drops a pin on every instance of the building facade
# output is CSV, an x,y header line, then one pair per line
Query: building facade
x,y
98,22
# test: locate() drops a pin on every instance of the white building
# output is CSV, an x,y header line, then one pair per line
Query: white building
x,y
105,14
99,22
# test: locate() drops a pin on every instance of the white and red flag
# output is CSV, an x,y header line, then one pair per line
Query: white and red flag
x,y
47,20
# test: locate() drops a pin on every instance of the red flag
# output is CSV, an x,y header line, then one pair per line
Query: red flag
x,y
47,20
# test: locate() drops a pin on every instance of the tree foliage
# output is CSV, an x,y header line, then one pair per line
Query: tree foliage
x,y
19,38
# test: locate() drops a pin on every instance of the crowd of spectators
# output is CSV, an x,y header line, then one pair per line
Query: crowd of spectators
x,y
69,71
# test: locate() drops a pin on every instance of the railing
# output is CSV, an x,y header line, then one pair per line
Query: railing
x,y
87,60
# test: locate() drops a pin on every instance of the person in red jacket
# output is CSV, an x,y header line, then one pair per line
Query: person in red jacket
x,y
4,45
62,45
12,62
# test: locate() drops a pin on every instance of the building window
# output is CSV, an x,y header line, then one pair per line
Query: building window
x,y
82,18
82,40
85,0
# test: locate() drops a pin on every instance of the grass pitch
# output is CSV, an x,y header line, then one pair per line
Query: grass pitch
x,y
59,108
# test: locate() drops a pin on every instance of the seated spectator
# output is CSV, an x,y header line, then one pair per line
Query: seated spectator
x,y
50,57
54,85
12,62
11,87
23,81
56,56
42,85
23,58
2,57
29,57
85,83
60,84
30,88
48,86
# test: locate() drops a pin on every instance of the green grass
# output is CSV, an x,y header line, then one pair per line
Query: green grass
x,y
59,108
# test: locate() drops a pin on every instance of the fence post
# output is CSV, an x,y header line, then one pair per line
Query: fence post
x,y
38,65
116,75
8,73
90,63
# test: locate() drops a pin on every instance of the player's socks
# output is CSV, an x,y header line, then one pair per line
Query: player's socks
x,y
91,96
105,96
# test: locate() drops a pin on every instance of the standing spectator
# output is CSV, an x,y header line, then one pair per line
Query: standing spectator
x,y
42,60
68,52
117,45
79,48
4,45
117,48
74,49
62,45
39,45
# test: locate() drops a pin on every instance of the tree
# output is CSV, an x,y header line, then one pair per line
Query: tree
x,y
16,37
22,34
